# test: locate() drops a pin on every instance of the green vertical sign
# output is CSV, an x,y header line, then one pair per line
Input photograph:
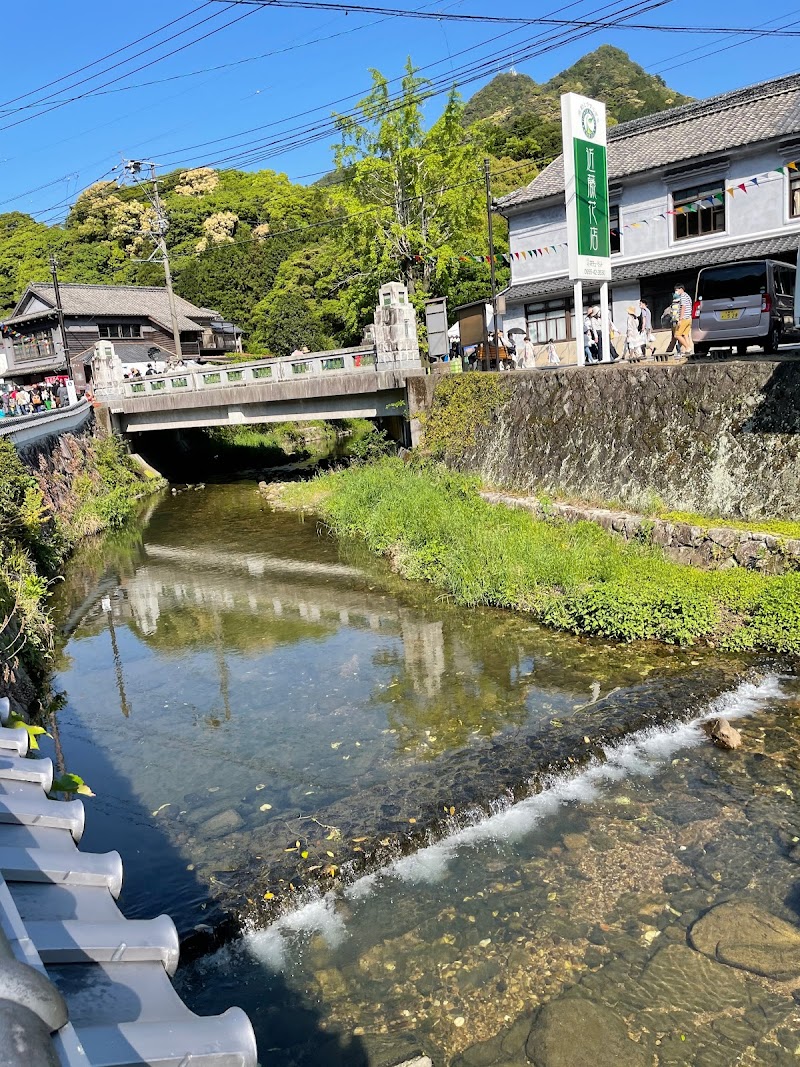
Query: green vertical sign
x,y
591,199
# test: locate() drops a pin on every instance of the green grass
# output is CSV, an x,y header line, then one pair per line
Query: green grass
x,y
779,527
435,527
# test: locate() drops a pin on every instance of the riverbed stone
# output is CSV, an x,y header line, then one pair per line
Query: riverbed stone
x,y
743,935
724,735
574,1032
225,822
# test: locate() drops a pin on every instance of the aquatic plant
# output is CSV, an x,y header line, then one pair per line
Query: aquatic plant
x,y
434,526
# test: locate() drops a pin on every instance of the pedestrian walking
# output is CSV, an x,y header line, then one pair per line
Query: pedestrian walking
x,y
63,395
590,346
633,336
552,355
23,401
526,353
646,329
681,315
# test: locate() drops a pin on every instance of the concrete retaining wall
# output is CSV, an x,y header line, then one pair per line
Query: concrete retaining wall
x,y
714,439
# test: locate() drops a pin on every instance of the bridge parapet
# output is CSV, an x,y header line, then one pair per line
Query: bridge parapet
x,y
259,372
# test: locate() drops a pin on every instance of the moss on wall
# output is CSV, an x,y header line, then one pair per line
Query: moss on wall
x,y
712,439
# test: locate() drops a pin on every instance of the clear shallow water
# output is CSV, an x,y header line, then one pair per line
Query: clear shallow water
x,y
586,890
236,683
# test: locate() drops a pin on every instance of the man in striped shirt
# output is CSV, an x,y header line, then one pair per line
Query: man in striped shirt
x,y
681,321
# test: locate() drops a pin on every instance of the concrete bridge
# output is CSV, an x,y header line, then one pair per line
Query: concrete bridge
x,y
345,383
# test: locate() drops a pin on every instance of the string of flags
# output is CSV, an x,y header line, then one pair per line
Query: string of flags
x,y
711,200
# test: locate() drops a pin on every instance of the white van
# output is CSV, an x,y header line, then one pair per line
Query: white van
x,y
742,304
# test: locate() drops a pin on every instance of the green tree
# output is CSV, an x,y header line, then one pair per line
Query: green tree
x,y
414,195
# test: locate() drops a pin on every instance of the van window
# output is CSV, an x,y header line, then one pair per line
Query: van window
x,y
738,279
784,279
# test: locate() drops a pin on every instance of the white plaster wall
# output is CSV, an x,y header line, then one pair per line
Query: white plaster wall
x,y
761,212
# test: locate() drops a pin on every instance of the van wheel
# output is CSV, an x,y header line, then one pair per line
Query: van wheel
x,y
701,350
773,339
741,349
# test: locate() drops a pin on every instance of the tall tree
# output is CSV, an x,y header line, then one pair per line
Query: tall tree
x,y
414,195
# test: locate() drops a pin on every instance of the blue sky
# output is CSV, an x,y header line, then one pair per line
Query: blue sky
x,y
311,58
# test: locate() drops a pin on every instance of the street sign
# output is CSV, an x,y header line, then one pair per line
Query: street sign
x,y
583,124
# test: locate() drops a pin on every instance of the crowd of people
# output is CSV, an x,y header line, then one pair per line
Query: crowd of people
x,y
634,343
33,399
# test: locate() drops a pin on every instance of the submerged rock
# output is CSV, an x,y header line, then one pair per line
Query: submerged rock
x,y
743,935
224,823
573,1032
723,734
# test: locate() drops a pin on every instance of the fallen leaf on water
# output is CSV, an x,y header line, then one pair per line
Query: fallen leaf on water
x,y
335,744
412,820
358,840
269,896
265,807
167,805
329,854
292,849
452,810
260,787
385,841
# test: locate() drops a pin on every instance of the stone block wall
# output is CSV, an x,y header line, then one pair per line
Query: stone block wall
x,y
707,547
715,439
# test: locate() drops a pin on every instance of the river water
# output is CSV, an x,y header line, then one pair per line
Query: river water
x,y
430,820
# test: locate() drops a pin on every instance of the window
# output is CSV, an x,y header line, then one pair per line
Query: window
x,y
699,210
794,194
548,320
115,331
733,281
615,236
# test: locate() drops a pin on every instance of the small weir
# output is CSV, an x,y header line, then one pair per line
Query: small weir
x,y
429,820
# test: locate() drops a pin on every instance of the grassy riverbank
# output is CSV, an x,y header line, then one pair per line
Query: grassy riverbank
x,y
88,485
435,527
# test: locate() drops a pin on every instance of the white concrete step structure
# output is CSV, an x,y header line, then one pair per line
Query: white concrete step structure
x,y
81,985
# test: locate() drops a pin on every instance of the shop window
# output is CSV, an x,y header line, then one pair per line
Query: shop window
x,y
548,320
615,235
117,331
698,211
794,194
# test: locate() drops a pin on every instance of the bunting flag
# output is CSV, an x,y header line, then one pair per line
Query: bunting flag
x,y
704,203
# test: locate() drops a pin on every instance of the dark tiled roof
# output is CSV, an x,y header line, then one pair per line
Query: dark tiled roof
x,y
672,265
122,301
762,112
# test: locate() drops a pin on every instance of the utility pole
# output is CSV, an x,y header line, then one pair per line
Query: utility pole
x,y
157,236
487,180
59,310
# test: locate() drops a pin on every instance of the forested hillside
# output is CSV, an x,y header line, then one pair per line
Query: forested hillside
x,y
295,264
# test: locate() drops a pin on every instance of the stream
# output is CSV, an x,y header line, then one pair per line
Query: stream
x,y
428,820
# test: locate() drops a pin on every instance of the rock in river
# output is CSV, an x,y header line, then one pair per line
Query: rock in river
x,y
574,1032
741,934
724,735
224,823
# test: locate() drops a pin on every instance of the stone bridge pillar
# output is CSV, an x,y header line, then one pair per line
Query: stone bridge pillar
x,y
395,329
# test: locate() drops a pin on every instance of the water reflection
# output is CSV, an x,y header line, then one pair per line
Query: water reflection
x,y
255,685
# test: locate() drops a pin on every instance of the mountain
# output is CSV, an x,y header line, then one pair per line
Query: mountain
x,y
608,74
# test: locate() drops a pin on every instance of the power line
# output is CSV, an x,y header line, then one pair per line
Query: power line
x,y
143,66
329,5
300,136
109,55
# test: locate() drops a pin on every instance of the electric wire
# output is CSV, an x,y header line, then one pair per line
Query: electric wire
x,y
109,55
158,59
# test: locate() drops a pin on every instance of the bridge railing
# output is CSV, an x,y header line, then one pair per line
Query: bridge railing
x,y
259,372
